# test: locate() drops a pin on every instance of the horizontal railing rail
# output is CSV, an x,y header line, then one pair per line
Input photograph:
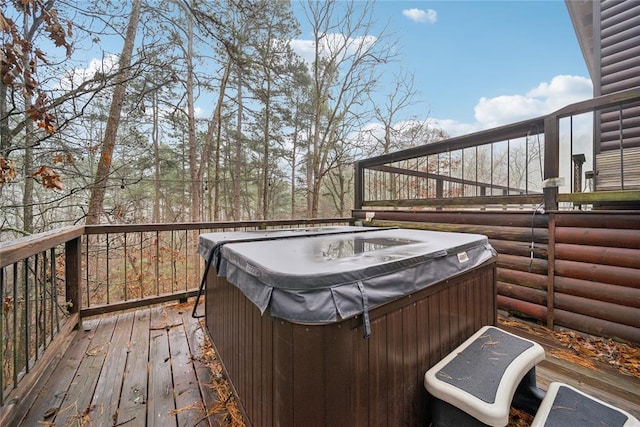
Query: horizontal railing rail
x,y
513,164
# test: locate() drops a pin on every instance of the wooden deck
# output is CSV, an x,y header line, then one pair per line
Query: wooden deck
x,y
148,368
596,377
142,368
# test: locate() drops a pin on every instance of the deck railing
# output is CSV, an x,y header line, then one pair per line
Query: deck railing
x,y
49,281
555,159
39,283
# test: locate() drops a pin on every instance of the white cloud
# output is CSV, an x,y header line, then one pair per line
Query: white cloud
x,y
492,112
428,16
304,48
455,128
77,76
543,99
501,110
562,91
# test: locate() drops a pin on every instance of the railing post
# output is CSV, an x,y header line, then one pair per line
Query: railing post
x,y
73,273
578,161
439,192
551,160
358,194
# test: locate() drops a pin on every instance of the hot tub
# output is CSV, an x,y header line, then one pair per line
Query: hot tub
x,y
337,326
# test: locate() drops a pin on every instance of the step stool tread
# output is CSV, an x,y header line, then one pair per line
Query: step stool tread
x,y
481,375
479,368
564,405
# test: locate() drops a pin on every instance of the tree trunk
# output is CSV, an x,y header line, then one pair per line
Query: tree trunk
x,y
237,164
27,195
104,162
265,154
315,196
309,174
294,153
216,124
196,184
4,121
156,161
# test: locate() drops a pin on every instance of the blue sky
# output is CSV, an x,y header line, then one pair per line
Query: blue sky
x,y
480,64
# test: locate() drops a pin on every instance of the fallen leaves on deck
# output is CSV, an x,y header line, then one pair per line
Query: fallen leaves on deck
x,y
194,405
519,418
97,349
586,350
580,349
226,409
623,357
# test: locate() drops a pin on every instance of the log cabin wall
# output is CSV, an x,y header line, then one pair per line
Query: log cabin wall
x,y
597,273
584,273
616,57
609,36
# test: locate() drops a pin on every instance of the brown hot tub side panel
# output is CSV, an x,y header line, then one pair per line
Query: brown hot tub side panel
x,y
290,374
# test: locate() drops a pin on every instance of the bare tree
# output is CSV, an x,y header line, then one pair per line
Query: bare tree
x,y
345,69
215,130
402,96
196,184
104,162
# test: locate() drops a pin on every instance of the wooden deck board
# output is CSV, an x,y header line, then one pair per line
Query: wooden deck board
x,y
189,407
153,361
132,406
106,397
52,394
133,369
598,380
196,338
75,405
160,403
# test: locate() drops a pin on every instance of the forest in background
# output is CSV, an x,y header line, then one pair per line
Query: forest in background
x,y
103,110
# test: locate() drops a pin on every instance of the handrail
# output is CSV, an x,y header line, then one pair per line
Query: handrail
x,y
24,247
121,228
409,165
509,131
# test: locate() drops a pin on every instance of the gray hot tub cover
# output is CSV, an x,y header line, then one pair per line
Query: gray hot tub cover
x,y
321,277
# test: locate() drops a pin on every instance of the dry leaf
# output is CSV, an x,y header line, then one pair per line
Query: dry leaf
x,y
50,179
7,170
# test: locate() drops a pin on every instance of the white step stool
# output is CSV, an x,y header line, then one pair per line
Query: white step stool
x,y
564,405
475,384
